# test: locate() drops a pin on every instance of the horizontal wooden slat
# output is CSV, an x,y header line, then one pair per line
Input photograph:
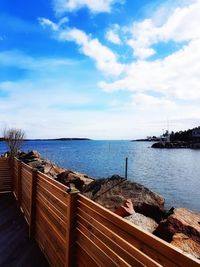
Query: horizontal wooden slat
x,y
155,248
97,254
53,190
47,248
58,223
116,243
5,175
84,259
53,181
41,216
109,252
49,204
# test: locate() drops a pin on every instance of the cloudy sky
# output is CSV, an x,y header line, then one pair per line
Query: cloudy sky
x,y
106,69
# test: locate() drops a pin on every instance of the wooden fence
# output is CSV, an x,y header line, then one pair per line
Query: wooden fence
x,y
72,230
5,176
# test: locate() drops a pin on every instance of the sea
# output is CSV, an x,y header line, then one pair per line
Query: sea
x,y
172,173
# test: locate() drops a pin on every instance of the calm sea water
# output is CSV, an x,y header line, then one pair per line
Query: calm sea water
x,y
175,174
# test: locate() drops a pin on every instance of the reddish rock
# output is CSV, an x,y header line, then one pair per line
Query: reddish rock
x,y
186,244
125,209
181,221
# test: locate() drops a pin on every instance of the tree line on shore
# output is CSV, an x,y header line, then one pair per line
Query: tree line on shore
x,y
185,136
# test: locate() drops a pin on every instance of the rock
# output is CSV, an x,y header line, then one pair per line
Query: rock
x,y
37,165
181,221
113,191
29,157
158,145
68,177
186,244
125,209
142,221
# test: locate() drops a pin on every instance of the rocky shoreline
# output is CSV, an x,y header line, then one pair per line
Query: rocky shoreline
x,y
132,201
177,144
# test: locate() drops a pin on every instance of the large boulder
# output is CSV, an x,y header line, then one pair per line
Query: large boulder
x,y
126,211
29,157
69,177
113,191
145,223
186,244
180,221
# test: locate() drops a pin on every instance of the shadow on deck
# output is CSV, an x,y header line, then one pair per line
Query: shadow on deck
x,y
16,250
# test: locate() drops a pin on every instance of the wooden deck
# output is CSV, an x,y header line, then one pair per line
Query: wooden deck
x,y
16,250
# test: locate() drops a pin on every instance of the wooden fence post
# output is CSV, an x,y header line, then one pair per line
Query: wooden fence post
x,y
19,184
71,230
33,203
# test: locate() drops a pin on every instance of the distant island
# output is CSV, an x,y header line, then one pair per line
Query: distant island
x,y
183,139
56,139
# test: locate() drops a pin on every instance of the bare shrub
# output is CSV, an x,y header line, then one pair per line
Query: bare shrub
x,y
14,139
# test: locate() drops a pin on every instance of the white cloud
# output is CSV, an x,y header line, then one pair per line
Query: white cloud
x,y
147,101
48,23
181,26
105,59
94,6
113,37
175,76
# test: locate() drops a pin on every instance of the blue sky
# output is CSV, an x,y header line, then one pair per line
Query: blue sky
x,y
106,69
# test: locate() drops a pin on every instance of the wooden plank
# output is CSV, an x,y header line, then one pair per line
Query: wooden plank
x,y
47,248
57,207
96,253
53,243
19,183
115,242
62,214
53,181
84,259
52,198
116,226
53,218
154,247
40,216
26,187
56,191
116,258
26,167
33,204
53,194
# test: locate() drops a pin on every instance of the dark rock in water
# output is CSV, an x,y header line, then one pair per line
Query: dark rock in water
x,y
181,221
177,144
113,191
158,145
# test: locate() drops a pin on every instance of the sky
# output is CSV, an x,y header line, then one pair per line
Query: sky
x,y
106,69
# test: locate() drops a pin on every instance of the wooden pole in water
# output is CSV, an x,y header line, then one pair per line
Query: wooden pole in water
x,y
126,168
